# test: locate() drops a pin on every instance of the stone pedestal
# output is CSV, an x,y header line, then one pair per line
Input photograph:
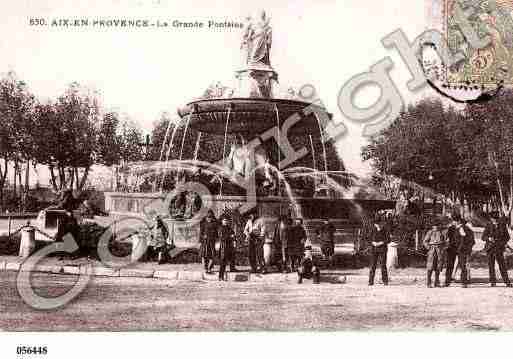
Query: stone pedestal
x,y
28,242
256,82
139,248
268,253
392,257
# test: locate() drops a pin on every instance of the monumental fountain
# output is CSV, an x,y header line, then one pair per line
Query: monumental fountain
x,y
257,169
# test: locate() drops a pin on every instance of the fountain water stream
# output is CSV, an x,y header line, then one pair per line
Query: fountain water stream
x,y
184,136
168,153
321,134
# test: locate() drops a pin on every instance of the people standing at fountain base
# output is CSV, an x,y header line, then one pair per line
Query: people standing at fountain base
x,y
379,246
160,238
282,236
68,223
208,238
326,236
226,248
465,243
296,244
496,237
435,243
451,253
254,232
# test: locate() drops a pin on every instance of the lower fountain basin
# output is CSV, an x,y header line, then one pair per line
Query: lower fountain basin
x,y
254,115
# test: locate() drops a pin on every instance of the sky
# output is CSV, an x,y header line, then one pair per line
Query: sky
x,y
144,72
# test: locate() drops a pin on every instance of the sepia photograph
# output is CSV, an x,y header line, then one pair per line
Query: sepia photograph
x,y
259,166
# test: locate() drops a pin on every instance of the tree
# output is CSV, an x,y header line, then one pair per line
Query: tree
x,y
457,153
67,138
130,138
411,145
16,140
419,147
109,142
485,146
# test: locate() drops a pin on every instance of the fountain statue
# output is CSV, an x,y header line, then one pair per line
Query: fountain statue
x,y
256,76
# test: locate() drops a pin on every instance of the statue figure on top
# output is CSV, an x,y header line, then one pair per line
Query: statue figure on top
x,y
256,41
256,75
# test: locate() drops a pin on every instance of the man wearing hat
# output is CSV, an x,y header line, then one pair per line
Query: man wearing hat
x,y
255,232
379,245
160,240
465,243
435,242
208,238
326,235
496,237
451,252
226,248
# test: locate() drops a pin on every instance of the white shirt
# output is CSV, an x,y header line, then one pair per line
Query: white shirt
x,y
255,227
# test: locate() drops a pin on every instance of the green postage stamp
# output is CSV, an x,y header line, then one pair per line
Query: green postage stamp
x,y
493,18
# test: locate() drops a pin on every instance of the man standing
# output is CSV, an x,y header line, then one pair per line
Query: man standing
x,y
282,237
208,239
496,237
254,231
297,242
327,238
69,223
226,248
160,240
379,245
465,243
435,242
451,251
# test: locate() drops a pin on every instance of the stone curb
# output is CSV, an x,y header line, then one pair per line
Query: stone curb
x,y
46,269
12,266
191,276
166,275
100,271
195,275
137,273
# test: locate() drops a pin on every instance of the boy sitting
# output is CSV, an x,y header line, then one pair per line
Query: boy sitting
x,y
307,268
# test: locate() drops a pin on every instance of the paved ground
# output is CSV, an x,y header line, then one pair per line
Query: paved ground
x,y
150,304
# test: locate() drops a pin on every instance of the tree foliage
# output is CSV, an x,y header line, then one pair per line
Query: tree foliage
x,y
465,153
17,116
67,136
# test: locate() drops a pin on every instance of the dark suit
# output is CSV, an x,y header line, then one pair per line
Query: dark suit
x,y
465,243
208,238
496,237
379,254
452,252
226,249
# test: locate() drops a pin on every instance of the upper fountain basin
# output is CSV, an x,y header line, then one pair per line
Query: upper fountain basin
x,y
254,115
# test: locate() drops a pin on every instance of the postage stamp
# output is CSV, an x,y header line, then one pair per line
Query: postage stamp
x,y
492,63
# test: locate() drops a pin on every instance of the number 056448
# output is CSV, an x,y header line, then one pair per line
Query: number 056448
x,y
27,350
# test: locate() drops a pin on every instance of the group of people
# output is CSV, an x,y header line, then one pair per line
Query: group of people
x,y
446,244
289,241
287,246
211,232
